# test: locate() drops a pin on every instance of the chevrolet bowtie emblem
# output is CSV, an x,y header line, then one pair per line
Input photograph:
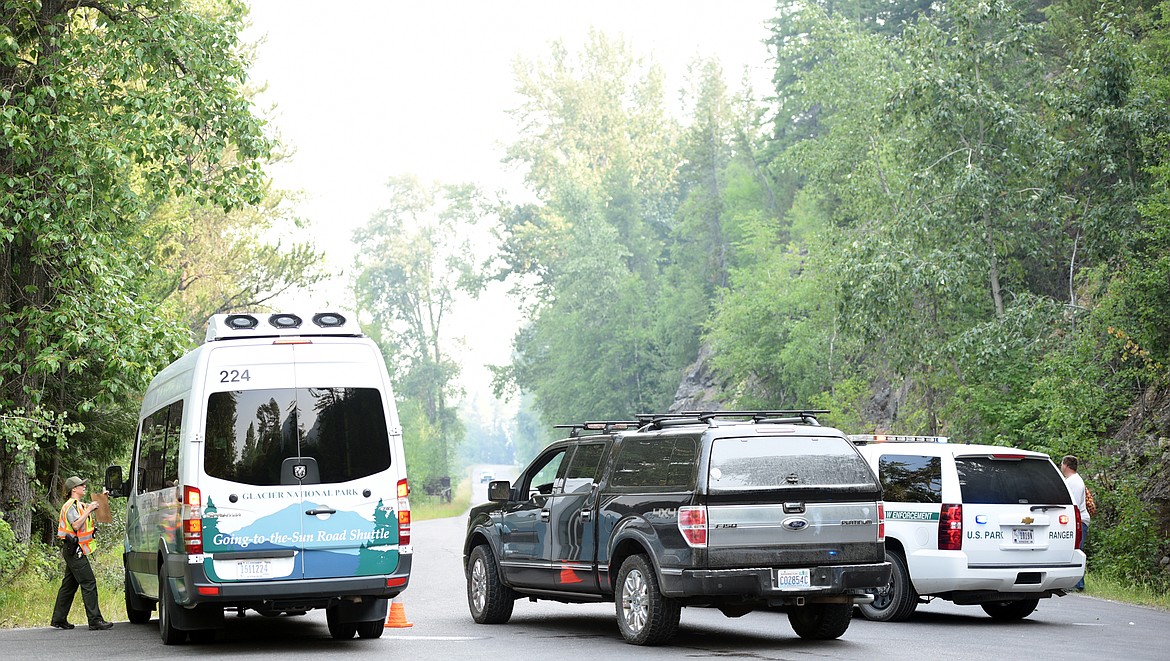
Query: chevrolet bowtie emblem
x,y
1027,519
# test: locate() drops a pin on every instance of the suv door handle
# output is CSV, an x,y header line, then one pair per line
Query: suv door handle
x,y
586,515
544,515
322,510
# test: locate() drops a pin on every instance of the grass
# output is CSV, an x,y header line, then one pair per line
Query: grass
x,y
1140,595
424,507
27,599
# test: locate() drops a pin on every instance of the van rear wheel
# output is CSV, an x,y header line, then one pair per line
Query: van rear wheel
x,y
371,629
166,612
134,614
1010,610
338,629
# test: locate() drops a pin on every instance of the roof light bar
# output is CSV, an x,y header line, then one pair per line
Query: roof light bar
x,y
252,325
863,439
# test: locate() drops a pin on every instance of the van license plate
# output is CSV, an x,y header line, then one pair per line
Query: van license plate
x,y
254,569
1021,535
787,579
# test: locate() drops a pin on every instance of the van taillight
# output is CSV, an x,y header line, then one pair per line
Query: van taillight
x,y
881,521
403,513
950,528
692,523
192,517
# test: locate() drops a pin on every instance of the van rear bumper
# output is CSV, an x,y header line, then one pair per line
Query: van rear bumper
x,y
191,586
758,581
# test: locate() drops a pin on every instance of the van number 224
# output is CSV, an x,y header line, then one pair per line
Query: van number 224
x,y
234,376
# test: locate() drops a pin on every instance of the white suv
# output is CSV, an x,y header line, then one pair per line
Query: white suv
x,y
973,524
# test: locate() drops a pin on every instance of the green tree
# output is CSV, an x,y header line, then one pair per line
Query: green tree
x,y
106,109
414,259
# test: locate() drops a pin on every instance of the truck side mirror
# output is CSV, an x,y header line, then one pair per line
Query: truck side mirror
x,y
114,481
499,491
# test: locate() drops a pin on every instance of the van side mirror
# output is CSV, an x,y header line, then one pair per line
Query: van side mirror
x,y
499,491
114,482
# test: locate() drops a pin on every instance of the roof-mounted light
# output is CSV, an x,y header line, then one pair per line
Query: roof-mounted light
x,y
329,319
285,320
240,321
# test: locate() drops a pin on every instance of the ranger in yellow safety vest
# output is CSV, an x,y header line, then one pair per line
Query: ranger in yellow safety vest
x,y
75,526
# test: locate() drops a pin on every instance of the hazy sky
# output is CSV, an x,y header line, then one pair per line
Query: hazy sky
x,y
363,91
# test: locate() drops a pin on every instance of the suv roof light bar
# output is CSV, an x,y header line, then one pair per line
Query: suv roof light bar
x,y
599,426
786,416
865,439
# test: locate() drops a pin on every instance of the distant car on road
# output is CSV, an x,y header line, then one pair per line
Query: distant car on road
x,y
486,476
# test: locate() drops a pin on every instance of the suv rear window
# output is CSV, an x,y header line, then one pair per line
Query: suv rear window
x,y
770,462
251,432
986,480
911,478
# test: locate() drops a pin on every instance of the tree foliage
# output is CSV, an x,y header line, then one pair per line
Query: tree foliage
x,y
106,110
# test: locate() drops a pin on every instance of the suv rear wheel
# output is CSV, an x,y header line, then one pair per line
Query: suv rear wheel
x,y
820,621
644,616
894,602
1010,610
490,601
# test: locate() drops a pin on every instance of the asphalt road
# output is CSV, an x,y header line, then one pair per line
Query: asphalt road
x,y
1072,627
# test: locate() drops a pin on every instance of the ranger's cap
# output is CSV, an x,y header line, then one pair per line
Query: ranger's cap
x,y
73,482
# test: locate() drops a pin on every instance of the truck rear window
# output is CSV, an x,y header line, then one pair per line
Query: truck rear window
x,y
251,432
771,462
1030,480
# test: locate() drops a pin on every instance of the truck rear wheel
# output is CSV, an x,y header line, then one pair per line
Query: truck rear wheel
x,y
644,616
820,621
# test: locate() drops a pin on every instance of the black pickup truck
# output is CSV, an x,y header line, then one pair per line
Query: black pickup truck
x,y
739,511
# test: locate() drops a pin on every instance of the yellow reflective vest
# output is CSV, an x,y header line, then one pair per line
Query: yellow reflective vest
x,y
85,535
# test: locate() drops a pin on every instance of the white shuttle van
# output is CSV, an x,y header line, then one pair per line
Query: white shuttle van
x,y
268,474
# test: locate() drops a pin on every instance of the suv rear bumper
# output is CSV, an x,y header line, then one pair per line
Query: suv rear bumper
x,y
940,572
758,582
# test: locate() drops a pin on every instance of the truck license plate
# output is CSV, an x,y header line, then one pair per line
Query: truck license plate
x,y
254,569
788,579
1021,535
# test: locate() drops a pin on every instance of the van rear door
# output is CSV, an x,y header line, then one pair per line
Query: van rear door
x,y
299,478
1016,511
349,517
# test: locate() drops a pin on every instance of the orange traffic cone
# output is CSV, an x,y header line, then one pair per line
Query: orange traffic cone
x,y
396,619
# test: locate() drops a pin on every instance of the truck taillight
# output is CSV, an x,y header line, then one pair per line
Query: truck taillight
x,y
881,521
950,528
192,520
692,523
403,513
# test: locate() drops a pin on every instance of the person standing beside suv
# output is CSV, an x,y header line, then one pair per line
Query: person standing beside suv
x,y
1076,489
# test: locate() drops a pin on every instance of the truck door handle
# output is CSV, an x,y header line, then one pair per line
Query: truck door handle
x,y
544,515
586,515
322,510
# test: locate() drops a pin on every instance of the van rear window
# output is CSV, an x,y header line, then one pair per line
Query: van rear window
x,y
770,462
990,481
342,431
